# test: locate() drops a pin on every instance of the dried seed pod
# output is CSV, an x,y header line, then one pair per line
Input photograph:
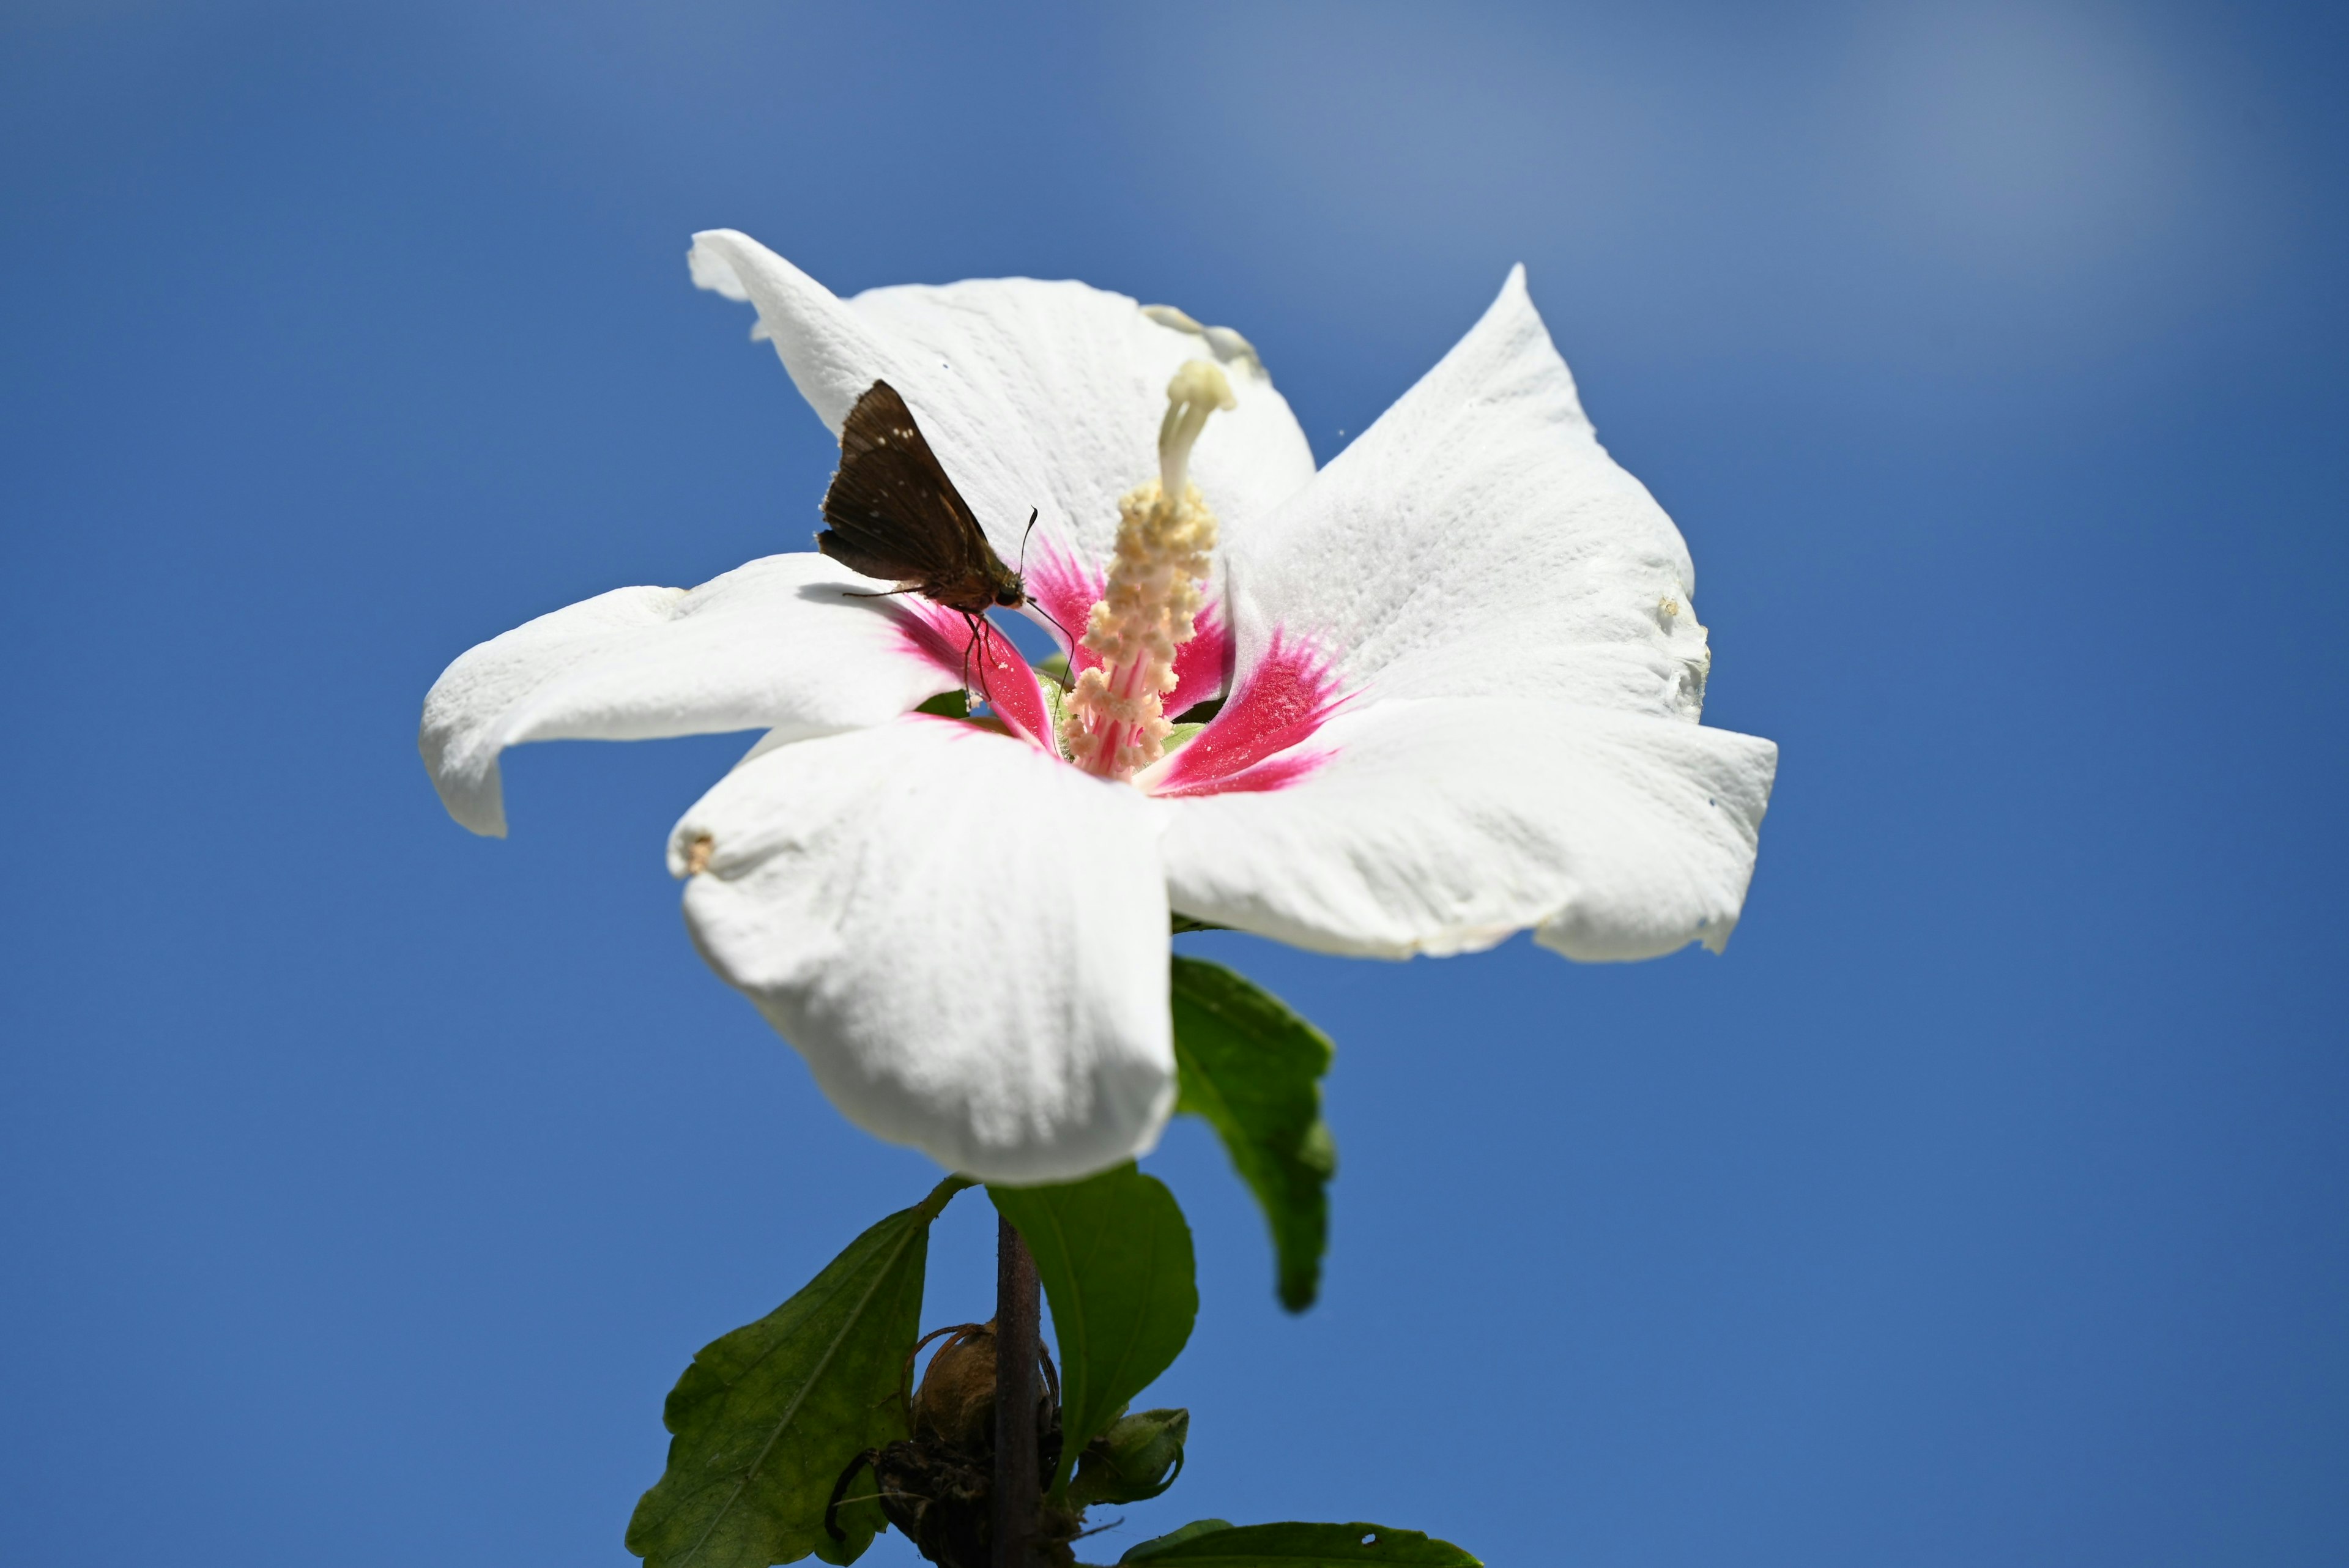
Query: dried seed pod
x,y
937,1485
955,1405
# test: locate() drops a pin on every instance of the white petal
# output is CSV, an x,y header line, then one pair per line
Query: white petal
x,y
831,355
773,644
966,938
1043,395
1442,827
1477,541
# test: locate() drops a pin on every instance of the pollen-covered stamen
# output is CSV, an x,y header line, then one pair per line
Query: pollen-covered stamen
x,y
1113,723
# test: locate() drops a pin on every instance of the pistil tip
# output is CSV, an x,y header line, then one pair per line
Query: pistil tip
x,y
1199,389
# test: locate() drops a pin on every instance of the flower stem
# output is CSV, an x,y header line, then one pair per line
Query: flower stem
x,y
1019,1491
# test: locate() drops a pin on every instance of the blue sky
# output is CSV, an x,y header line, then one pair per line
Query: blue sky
x,y
363,1185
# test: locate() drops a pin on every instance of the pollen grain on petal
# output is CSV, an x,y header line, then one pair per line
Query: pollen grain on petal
x,y
698,852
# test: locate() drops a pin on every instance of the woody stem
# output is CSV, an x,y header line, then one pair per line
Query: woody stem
x,y
1019,1490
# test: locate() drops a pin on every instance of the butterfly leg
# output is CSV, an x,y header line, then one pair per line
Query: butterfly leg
x,y
1068,679
978,630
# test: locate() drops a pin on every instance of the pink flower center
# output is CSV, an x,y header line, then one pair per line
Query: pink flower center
x,y
1258,741
1152,646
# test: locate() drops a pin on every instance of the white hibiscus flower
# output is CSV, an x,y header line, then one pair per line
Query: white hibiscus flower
x,y
1460,673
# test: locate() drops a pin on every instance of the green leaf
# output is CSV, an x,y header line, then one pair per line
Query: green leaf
x,y
768,1417
1299,1546
953,704
1173,1537
1115,1257
1253,1069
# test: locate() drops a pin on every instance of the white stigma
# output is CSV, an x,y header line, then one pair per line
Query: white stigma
x,y
1114,723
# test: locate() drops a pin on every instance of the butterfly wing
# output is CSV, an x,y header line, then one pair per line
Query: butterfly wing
x,y
892,512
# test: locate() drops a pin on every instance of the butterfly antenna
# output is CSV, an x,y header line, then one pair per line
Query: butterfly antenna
x,y
1022,572
1067,682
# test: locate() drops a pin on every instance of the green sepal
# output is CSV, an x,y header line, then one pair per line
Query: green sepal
x,y
1056,706
954,704
1115,1257
1293,1545
767,1417
1136,1460
1177,736
1252,1069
